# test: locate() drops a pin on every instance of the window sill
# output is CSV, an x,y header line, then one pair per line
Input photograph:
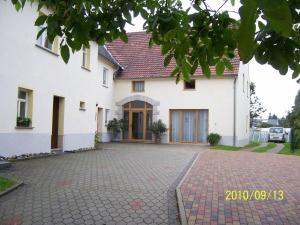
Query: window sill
x,y
85,68
104,86
23,128
47,50
187,89
81,109
137,91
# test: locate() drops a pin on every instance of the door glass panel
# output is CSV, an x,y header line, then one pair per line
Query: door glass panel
x,y
148,123
175,115
137,125
126,125
137,104
188,126
202,126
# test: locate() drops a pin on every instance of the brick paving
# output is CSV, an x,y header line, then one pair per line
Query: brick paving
x,y
120,184
203,190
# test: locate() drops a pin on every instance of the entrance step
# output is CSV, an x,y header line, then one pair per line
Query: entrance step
x,y
4,165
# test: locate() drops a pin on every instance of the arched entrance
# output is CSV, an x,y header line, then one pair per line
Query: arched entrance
x,y
137,116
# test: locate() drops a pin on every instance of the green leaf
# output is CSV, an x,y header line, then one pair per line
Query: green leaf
x,y
246,32
278,15
175,71
232,2
228,64
18,6
65,53
206,70
41,32
220,67
40,20
167,60
124,37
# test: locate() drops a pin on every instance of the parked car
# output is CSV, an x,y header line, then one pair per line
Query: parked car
x,y
276,134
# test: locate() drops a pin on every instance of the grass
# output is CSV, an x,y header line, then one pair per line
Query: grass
x,y
287,151
234,148
252,144
226,147
5,183
265,148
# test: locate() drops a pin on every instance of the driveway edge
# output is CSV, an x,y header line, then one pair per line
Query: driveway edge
x,y
15,186
182,215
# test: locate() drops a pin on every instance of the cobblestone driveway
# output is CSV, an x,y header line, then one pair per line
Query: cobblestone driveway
x,y
214,172
121,184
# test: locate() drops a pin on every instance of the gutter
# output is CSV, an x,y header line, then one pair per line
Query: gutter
x,y
234,111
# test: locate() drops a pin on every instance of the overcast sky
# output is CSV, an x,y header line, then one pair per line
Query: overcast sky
x,y
276,92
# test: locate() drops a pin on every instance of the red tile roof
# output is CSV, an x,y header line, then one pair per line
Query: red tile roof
x,y
139,61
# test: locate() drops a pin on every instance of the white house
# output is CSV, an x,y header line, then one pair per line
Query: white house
x,y
50,105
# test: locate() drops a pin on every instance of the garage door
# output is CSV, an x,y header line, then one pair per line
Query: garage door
x,y
188,126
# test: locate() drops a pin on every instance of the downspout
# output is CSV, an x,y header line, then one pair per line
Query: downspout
x,y
234,111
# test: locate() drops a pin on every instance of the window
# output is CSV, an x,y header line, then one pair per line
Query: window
x,y
43,40
24,107
105,77
82,106
189,85
106,115
138,86
86,58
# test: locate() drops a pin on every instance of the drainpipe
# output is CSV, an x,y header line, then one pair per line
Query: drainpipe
x,y
234,111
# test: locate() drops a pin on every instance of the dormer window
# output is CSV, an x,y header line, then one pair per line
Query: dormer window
x,y
190,85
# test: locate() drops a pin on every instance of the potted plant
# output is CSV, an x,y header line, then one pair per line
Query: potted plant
x,y
23,122
114,127
158,128
213,138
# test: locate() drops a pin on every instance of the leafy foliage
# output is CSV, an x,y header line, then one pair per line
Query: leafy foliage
x,y
206,37
158,128
114,126
213,139
23,121
256,108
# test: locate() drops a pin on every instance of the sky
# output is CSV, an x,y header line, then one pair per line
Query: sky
x,y
276,92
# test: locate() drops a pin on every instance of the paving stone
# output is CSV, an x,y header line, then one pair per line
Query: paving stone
x,y
103,186
218,171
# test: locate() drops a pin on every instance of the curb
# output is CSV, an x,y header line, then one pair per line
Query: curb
x,y
18,184
182,215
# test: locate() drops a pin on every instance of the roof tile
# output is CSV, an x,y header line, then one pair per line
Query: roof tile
x,y
140,61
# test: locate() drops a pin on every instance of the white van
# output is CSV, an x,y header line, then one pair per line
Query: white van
x,y
276,134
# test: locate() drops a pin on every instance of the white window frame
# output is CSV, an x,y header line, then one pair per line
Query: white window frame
x,y
22,100
84,57
43,40
106,115
105,77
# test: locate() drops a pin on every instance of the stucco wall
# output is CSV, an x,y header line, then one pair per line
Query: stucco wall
x,y
25,65
243,106
215,94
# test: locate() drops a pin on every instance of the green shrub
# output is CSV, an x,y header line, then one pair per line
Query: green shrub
x,y
213,138
158,128
114,126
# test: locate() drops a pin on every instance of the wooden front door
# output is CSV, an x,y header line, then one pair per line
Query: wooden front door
x,y
137,116
55,120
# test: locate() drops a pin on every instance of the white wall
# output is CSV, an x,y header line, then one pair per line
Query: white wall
x,y
215,94
243,106
25,65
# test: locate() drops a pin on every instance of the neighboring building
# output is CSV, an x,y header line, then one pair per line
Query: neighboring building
x,y
273,120
67,104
